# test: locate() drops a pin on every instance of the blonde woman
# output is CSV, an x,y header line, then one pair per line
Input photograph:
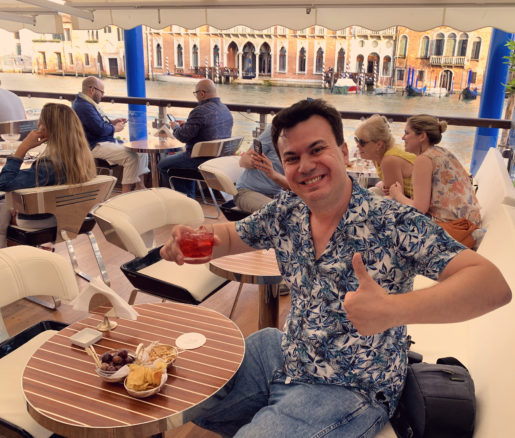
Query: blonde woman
x,y
67,159
376,143
441,186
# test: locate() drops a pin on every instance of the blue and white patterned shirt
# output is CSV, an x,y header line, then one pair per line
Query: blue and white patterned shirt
x,y
319,343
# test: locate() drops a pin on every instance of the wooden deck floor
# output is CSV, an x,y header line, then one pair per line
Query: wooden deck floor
x,y
23,314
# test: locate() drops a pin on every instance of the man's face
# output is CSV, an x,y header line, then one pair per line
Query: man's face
x,y
314,164
199,93
97,92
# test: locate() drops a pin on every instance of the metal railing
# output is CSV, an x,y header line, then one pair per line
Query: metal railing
x,y
263,110
447,60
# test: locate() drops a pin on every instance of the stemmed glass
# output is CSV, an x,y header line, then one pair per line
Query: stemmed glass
x,y
10,139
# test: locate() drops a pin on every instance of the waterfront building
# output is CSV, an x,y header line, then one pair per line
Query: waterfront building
x,y
441,57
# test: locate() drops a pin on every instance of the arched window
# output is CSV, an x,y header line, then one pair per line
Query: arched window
x,y
340,62
282,59
387,62
403,46
180,57
462,45
424,47
159,55
319,67
302,60
476,48
450,45
194,56
438,44
216,55
359,63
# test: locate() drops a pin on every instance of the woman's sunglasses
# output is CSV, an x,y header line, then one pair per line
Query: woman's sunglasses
x,y
361,142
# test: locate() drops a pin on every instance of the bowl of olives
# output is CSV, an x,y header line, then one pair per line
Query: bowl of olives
x,y
114,365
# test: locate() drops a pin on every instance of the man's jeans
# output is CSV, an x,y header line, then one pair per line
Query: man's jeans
x,y
255,407
181,160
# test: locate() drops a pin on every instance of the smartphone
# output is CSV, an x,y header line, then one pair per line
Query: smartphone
x,y
171,118
258,147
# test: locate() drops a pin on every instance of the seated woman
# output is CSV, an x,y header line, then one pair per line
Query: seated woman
x,y
376,143
67,159
441,186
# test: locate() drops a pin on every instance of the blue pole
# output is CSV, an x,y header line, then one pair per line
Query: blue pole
x,y
135,71
492,96
469,80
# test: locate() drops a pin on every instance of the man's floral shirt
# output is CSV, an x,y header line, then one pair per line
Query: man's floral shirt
x,y
320,344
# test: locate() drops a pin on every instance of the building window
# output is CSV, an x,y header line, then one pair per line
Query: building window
x,y
476,48
180,60
119,32
67,34
403,46
18,49
359,63
450,45
421,75
42,56
194,57
400,74
282,59
86,59
462,45
340,62
70,58
57,36
107,29
319,68
302,60
438,44
159,55
424,47
216,55
59,61
473,77
387,62
16,35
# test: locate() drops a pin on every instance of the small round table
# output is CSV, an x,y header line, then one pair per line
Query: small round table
x,y
64,393
255,267
154,146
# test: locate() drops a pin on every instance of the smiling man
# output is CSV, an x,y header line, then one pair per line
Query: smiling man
x,y
349,258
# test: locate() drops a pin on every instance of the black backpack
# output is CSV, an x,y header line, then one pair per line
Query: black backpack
x,y
437,401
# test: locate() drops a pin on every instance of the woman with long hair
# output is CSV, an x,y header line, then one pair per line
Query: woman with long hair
x,y
376,143
442,188
66,159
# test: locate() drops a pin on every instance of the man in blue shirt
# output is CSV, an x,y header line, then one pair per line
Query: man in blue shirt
x,y
209,120
263,177
349,258
100,131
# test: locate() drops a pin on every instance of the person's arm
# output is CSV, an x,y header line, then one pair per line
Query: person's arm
x,y
246,160
392,172
227,241
93,123
189,130
265,165
422,185
469,286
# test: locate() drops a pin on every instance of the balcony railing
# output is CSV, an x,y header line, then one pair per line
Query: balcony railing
x,y
447,60
361,31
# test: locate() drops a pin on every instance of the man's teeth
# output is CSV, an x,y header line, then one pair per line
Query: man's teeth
x,y
313,180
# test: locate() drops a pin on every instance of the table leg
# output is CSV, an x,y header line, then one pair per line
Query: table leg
x,y
155,172
268,306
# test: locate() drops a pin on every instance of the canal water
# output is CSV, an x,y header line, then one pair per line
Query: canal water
x,y
458,139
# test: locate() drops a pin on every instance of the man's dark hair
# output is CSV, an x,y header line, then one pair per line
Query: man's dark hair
x,y
301,111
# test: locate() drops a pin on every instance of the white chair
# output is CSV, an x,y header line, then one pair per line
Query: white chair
x,y
70,204
212,148
24,271
221,174
128,221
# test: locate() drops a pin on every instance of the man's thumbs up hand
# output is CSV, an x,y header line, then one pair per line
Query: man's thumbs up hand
x,y
367,307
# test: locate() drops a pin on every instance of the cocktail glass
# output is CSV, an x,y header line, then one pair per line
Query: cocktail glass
x,y
10,139
196,244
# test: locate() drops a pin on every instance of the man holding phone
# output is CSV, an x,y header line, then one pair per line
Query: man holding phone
x,y
100,129
263,177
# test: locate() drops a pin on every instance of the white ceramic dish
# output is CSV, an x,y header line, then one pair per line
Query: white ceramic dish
x,y
86,337
148,392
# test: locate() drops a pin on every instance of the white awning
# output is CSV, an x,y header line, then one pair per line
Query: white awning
x,y
43,15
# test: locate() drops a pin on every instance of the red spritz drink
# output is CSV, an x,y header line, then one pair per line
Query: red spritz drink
x,y
197,245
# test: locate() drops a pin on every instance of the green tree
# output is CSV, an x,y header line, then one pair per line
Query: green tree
x,y
510,60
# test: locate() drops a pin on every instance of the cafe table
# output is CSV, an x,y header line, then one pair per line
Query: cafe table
x,y
255,267
65,395
154,146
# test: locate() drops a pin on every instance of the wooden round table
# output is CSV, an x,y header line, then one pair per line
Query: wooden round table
x,y
154,146
255,267
64,393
